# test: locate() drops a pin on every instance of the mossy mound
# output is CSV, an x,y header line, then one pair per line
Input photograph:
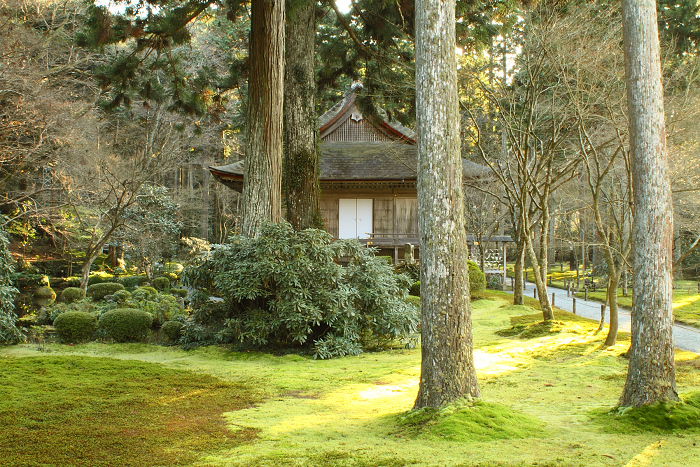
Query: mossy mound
x,y
466,421
533,330
666,416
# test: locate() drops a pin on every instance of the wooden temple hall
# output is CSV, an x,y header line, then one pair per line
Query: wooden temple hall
x,y
368,177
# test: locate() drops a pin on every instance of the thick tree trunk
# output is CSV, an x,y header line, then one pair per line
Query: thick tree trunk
x,y
301,155
447,367
651,374
262,184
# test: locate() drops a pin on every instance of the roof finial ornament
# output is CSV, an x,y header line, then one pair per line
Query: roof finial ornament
x,y
356,86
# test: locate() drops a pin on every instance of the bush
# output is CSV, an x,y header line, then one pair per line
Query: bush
x,y
143,293
477,280
161,283
415,289
125,324
286,287
121,296
179,292
72,294
99,291
133,281
44,296
75,326
172,330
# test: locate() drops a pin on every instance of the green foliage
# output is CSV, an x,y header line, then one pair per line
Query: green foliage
x,y
99,291
72,294
125,324
172,330
75,326
477,280
121,296
161,283
415,289
9,332
44,296
664,416
179,292
144,292
285,287
411,270
413,300
133,281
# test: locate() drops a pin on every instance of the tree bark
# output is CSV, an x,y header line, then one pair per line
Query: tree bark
x,y
262,184
301,155
447,367
651,373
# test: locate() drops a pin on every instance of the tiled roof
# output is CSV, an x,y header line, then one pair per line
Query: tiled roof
x,y
365,161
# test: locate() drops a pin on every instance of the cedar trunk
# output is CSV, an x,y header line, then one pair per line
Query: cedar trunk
x,y
301,169
447,367
262,183
651,374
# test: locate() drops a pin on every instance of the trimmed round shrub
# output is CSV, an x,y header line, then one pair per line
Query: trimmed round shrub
x,y
99,291
161,283
75,326
125,324
179,292
121,296
477,280
44,296
133,281
415,289
143,293
72,294
172,330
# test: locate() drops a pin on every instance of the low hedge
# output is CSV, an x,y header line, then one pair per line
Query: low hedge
x,y
72,294
75,326
125,324
99,291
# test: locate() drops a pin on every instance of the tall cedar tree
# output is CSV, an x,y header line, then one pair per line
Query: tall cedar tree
x,y
262,184
301,153
651,373
447,365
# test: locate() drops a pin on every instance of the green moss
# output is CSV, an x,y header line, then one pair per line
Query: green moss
x,y
666,416
469,421
102,412
72,294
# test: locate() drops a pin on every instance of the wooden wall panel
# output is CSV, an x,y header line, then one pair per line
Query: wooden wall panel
x,y
329,209
384,215
406,220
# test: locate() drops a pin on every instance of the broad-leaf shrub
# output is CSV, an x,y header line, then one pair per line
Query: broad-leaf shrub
x,y
74,327
125,324
9,332
286,287
99,291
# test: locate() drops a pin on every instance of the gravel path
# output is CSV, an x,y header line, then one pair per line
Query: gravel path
x,y
687,338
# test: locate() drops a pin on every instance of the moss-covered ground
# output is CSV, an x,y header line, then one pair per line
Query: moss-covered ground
x,y
547,399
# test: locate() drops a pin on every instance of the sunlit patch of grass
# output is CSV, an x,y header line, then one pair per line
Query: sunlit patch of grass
x,y
82,411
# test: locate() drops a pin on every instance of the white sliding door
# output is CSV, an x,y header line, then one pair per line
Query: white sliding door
x,y
354,218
